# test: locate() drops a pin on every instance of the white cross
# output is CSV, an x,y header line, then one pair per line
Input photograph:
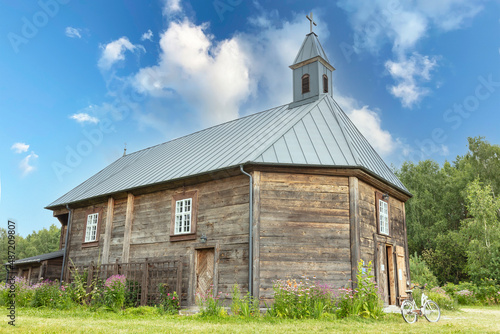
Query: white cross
x,y
311,21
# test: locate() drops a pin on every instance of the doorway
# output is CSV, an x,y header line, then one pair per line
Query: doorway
x,y
204,270
391,283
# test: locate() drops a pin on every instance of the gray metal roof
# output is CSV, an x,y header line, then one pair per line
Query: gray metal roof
x,y
40,258
311,47
317,133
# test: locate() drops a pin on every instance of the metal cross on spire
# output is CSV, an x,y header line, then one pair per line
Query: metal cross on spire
x,y
311,21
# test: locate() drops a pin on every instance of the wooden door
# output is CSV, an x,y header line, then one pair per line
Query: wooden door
x,y
386,270
401,263
382,277
204,270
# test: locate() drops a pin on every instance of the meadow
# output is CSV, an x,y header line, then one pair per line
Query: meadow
x,y
483,319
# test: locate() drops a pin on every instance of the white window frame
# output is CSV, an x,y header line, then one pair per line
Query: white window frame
x,y
183,216
383,217
91,228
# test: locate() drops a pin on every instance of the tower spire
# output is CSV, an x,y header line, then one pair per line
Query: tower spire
x,y
312,72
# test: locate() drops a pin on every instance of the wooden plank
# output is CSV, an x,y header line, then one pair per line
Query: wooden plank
x,y
381,270
178,288
108,230
304,196
256,234
129,217
306,179
354,225
401,270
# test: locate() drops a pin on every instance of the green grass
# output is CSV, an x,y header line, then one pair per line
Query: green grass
x,y
148,320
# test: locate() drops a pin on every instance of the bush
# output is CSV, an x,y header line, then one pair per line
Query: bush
x,y
77,290
49,294
489,291
114,292
363,301
420,272
210,304
438,295
303,299
466,297
246,306
170,302
132,293
23,292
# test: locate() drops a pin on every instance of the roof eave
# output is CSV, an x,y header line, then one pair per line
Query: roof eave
x,y
312,60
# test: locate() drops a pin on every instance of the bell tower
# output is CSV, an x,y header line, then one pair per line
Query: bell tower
x,y
312,72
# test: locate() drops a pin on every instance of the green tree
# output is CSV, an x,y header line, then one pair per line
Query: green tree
x,y
40,242
483,232
439,206
448,258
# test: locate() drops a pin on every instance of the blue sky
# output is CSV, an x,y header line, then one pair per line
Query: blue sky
x,y
80,79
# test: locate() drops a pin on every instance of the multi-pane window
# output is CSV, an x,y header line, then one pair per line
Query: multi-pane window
x,y
305,84
91,229
384,217
183,210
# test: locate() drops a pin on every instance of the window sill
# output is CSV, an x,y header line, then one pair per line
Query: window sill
x,y
183,237
90,244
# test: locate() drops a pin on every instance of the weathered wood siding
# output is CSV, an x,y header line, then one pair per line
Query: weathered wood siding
x,y
77,253
222,216
368,213
373,244
304,228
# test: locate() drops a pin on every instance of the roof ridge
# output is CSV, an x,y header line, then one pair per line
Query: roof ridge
x,y
344,132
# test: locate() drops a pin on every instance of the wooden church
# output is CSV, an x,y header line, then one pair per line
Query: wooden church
x,y
290,191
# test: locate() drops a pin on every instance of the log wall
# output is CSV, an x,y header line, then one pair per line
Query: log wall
x,y
222,216
304,228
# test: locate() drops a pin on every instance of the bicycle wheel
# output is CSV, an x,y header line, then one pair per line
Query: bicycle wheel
x,y
407,312
431,311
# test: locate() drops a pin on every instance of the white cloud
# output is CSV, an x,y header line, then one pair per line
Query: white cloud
x,y
409,74
369,124
73,32
148,35
172,7
20,147
115,51
84,118
26,164
403,24
211,76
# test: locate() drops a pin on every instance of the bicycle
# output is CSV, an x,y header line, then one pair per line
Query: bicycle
x,y
410,312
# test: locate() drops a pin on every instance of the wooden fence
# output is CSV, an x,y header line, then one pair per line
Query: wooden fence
x,y
143,278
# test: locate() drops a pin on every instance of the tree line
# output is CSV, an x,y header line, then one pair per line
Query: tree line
x,y
453,217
